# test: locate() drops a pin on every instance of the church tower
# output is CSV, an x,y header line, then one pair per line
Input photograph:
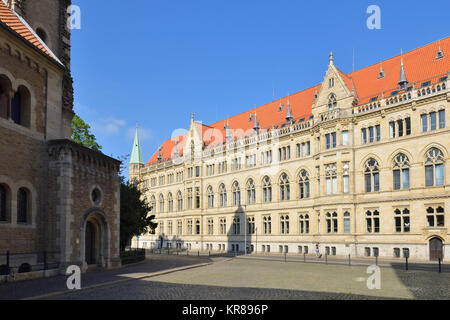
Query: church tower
x,y
136,162
48,19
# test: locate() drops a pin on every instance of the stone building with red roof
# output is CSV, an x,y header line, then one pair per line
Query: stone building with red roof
x,y
59,202
358,164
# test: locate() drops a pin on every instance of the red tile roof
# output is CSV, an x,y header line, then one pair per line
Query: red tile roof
x,y
15,23
420,65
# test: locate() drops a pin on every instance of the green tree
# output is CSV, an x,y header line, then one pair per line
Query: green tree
x,y
134,214
134,209
81,134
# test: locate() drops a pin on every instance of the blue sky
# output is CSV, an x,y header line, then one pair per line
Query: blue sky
x,y
155,62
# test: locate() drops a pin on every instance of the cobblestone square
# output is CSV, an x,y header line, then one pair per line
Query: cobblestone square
x,y
247,279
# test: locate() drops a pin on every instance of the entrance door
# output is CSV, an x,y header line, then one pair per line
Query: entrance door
x,y
90,244
436,251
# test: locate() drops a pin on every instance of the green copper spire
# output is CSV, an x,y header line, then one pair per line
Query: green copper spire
x,y
136,154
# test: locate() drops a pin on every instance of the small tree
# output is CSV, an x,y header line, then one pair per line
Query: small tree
x,y
81,134
134,210
134,214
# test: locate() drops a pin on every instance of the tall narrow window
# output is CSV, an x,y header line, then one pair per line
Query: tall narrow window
x,y
378,132
345,138
371,134
441,119
180,201
22,206
346,177
346,222
401,172
331,179
267,190
210,193
392,129
3,199
189,198
284,188
236,194
251,193
223,195
303,181
372,176
434,168
364,135
267,225
408,126
424,119
433,121
170,200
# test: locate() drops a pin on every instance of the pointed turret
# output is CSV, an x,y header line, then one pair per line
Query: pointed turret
x,y
402,83
381,74
136,154
440,54
289,115
159,155
228,135
256,125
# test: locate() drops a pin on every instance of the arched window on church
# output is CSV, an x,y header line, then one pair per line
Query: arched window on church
x,y
5,87
21,107
251,194
267,190
23,206
42,34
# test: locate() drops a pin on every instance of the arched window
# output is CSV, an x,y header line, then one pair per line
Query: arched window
x,y
5,88
170,199
303,181
434,168
210,194
332,102
332,222
285,193
153,204
251,194
435,217
373,221
267,225
304,224
237,225
41,33
236,194
284,224
180,201
223,195
347,222
331,178
23,206
21,107
401,172
401,218
161,203
267,190
4,203
372,176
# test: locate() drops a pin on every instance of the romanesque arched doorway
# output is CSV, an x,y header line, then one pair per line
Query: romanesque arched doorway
x,y
95,250
436,249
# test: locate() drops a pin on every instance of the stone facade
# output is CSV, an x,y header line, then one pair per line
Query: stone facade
x,y
358,188
55,196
